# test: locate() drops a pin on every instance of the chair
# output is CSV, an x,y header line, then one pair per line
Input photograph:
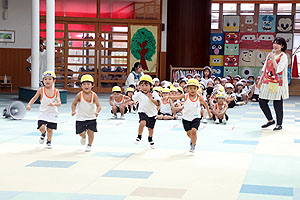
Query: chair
x,y
5,85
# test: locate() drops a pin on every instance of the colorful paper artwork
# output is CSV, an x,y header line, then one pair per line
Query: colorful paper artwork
x,y
265,40
247,58
231,49
231,61
248,40
288,38
216,60
231,23
284,23
218,71
266,23
245,72
217,38
216,49
232,38
248,23
232,71
261,56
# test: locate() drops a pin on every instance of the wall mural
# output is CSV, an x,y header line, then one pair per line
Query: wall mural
x,y
284,23
143,47
247,58
248,40
231,61
266,23
288,38
216,60
248,23
232,38
216,49
218,71
265,40
231,23
217,38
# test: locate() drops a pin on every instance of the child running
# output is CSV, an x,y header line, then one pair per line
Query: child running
x,y
147,110
191,112
87,113
50,100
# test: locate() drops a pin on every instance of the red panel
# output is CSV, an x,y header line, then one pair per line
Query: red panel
x,y
81,27
79,8
117,9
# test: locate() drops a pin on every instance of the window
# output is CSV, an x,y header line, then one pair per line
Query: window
x,y
247,8
215,15
266,8
229,8
284,9
297,16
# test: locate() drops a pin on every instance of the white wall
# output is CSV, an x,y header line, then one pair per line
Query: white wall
x,y
164,21
19,20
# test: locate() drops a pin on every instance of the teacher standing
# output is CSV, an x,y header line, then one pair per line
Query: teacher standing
x,y
274,83
135,75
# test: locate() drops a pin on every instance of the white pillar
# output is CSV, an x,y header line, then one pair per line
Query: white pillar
x,y
164,18
50,31
35,43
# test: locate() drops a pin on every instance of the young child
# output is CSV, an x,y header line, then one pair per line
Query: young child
x,y
198,77
191,113
206,75
118,102
156,82
240,94
148,102
220,108
87,113
166,110
50,100
254,94
230,95
130,105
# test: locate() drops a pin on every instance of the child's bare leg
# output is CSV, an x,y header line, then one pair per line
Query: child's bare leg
x,y
194,136
160,116
90,137
167,117
43,129
189,133
203,113
141,127
150,132
49,134
83,134
114,110
122,109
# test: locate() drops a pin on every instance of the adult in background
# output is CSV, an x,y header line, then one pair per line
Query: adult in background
x,y
134,75
274,83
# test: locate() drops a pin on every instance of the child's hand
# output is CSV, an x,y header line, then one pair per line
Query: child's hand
x,y
73,113
150,96
210,115
28,107
96,114
51,104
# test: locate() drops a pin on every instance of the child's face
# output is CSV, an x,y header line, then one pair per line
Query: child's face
x,y
234,81
130,94
178,93
192,89
189,77
165,94
223,83
229,90
156,84
217,81
198,78
86,86
185,89
182,84
251,78
145,87
48,81
220,100
239,87
206,73
210,84
173,93
117,94
244,84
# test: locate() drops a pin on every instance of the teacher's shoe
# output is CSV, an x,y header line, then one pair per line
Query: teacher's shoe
x,y
268,124
277,128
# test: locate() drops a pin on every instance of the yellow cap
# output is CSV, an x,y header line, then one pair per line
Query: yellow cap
x,y
166,90
193,81
129,89
173,89
49,73
157,89
87,77
180,89
220,95
146,78
116,89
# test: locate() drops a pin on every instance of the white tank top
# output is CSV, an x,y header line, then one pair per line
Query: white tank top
x,y
192,108
256,90
86,109
118,103
165,107
220,109
48,113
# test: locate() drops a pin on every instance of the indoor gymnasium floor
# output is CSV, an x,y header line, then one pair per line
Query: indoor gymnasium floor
x,y
237,161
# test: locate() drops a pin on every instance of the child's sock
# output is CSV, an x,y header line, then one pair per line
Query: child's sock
x,y
139,136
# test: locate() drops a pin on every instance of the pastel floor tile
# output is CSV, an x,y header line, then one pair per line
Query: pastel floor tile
x,y
54,164
38,134
113,154
245,196
158,192
95,197
8,195
41,195
128,174
297,194
245,142
297,141
267,190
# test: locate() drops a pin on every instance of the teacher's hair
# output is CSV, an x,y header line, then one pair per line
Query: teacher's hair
x,y
135,66
281,41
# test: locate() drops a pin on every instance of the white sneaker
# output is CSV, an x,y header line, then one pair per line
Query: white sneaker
x,y
217,122
49,145
137,140
122,117
83,140
88,148
224,121
204,121
42,138
152,146
114,117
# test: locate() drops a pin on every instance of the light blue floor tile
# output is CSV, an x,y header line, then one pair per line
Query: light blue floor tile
x,y
267,190
297,194
246,142
128,174
297,141
8,195
113,154
53,164
41,196
95,197
245,196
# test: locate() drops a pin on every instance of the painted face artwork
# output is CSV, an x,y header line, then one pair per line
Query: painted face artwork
x,y
218,71
284,24
231,23
232,38
248,40
216,60
217,38
216,49
266,23
231,49
265,40
231,61
248,23
233,71
288,38
246,71
261,56
247,58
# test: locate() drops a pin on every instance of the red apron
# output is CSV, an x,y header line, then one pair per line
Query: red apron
x,y
270,74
